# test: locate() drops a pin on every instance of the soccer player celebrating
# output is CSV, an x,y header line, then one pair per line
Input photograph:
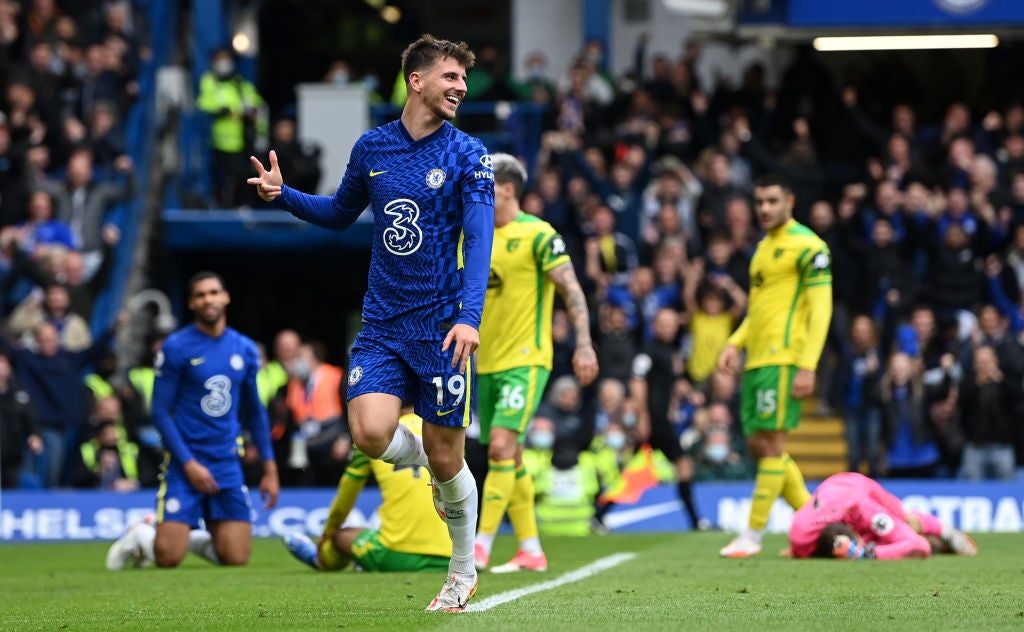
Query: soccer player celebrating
x,y
431,189
851,517
205,373
410,538
528,263
787,320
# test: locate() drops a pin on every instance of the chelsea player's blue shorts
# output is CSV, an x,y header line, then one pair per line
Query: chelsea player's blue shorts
x,y
415,371
178,501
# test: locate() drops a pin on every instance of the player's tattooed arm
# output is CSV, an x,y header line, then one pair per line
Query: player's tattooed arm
x,y
584,358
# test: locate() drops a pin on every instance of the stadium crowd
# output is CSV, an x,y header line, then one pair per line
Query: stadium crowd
x,y
648,177
68,80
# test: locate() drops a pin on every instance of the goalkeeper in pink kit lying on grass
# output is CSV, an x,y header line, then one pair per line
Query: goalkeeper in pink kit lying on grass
x,y
851,516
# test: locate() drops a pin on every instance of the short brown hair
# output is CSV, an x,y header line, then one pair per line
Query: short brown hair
x,y
428,50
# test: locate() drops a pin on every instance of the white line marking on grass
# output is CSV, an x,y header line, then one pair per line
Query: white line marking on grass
x,y
589,570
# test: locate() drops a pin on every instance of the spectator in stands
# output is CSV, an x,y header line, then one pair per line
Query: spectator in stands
x,y
52,377
993,331
299,159
610,256
954,277
669,205
12,168
716,176
536,85
137,394
286,349
719,454
237,110
566,481
989,402
84,203
571,421
887,280
612,406
859,375
616,343
104,135
42,228
316,392
723,260
20,433
108,461
715,303
50,306
101,81
657,387
640,299
912,448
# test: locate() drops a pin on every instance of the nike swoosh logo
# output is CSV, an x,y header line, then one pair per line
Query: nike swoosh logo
x,y
447,412
374,174
197,361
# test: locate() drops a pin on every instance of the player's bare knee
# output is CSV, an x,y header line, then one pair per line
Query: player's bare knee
x,y
502,446
234,559
168,557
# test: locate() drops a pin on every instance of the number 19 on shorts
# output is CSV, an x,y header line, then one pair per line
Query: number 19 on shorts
x,y
456,385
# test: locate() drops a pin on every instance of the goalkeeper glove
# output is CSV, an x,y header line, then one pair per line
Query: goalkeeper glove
x,y
843,548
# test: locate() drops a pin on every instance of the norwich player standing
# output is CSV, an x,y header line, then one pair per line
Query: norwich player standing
x,y
528,263
788,316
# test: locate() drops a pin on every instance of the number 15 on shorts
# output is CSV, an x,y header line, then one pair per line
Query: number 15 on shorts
x,y
767,401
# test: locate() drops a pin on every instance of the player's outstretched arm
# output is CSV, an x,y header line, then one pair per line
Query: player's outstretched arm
x,y
335,212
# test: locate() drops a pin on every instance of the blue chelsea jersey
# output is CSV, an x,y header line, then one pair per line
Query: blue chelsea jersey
x,y
201,384
433,210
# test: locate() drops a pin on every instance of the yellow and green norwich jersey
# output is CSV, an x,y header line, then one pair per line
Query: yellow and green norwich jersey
x,y
790,304
408,521
516,327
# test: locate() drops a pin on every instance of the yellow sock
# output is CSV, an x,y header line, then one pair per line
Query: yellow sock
x,y
794,490
498,489
330,558
771,475
521,510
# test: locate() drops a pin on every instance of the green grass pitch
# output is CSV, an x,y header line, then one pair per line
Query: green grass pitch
x,y
674,582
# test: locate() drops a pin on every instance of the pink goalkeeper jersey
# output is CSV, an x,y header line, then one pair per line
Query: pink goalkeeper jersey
x,y
863,504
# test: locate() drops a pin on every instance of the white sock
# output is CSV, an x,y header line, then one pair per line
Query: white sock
x,y
461,506
486,540
531,545
145,536
754,534
405,449
200,542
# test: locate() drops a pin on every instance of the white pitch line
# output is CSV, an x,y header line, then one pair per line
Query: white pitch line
x,y
589,570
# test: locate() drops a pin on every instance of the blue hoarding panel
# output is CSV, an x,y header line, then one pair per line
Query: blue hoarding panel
x,y
947,13
86,515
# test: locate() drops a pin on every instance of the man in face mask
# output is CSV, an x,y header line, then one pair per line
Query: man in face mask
x,y
239,119
315,396
718,455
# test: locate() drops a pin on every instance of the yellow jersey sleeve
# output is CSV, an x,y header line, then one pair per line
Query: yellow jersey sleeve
x,y
352,482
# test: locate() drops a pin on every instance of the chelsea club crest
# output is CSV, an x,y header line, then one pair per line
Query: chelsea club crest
x,y
435,178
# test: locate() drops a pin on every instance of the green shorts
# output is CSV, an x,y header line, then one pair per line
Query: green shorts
x,y
767,402
508,399
369,553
